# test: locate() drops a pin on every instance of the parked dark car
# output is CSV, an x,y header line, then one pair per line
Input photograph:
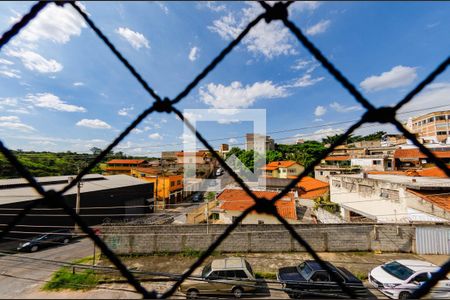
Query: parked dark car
x,y
198,197
49,239
309,279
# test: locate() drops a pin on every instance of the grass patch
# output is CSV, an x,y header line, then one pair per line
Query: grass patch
x,y
188,252
266,275
64,278
361,275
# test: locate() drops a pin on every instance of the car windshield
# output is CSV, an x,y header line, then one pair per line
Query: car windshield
x,y
304,270
398,270
206,270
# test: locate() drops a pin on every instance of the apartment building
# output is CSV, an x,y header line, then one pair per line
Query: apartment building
x,y
431,127
122,166
169,187
256,142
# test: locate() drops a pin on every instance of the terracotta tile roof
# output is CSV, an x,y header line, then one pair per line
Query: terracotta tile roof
x,y
311,188
416,153
337,158
279,164
441,200
126,161
432,172
239,200
428,172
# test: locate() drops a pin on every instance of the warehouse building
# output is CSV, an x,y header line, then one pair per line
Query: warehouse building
x,y
102,199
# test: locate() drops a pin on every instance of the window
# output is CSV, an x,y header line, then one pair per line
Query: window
x,y
430,120
178,182
440,118
321,172
398,270
320,276
419,278
260,222
213,275
376,162
240,274
172,183
390,194
441,133
249,268
336,183
233,218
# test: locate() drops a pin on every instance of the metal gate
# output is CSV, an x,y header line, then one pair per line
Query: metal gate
x,y
433,240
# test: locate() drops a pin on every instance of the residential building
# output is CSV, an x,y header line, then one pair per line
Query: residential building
x,y
282,169
334,165
385,197
256,142
308,187
431,127
199,157
102,199
389,140
413,158
169,187
122,166
232,202
224,149
169,155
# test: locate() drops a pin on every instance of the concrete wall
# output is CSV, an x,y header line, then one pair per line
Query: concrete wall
x,y
260,238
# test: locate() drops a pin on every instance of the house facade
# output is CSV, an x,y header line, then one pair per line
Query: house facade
x,y
283,169
431,127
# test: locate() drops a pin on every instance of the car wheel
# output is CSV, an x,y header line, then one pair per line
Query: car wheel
x,y
34,248
237,292
192,294
405,295
66,241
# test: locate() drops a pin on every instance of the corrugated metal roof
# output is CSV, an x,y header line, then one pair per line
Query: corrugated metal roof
x,y
418,216
27,193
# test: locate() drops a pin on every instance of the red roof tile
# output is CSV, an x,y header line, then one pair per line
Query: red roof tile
x,y
151,171
199,153
311,188
126,161
416,153
279,164
432,172
441,200
239,200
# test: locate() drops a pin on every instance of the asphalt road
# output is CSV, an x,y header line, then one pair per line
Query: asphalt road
x,y
24,273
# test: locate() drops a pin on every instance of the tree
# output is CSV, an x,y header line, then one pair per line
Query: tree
x,y
273,155
95,150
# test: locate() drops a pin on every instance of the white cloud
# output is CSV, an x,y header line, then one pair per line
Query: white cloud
x,y
35,62
93,123
14,123
54,23
10,73
5,62
232,141
155,136
343,109
238,96
318,120
163,7
78,83
435,94
320,27
163,121
212,5
9,119
193,54
48,100
320,134
398,76
305,80
137,130
305,64
125,111
136,39
301,6
270,40
320,111
43,143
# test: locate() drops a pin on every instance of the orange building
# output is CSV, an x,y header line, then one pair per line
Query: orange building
x,y
122,166
169,188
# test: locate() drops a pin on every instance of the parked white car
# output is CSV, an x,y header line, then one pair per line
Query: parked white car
x,y
398,279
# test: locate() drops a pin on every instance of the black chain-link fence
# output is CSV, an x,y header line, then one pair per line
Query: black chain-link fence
x,y
278,12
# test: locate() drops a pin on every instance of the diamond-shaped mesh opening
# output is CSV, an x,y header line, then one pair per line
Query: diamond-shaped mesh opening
x,y
278,11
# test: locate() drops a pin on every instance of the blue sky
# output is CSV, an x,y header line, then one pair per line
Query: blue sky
x,y
62,89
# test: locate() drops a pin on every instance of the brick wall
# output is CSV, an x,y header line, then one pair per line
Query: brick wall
x,y
127,239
